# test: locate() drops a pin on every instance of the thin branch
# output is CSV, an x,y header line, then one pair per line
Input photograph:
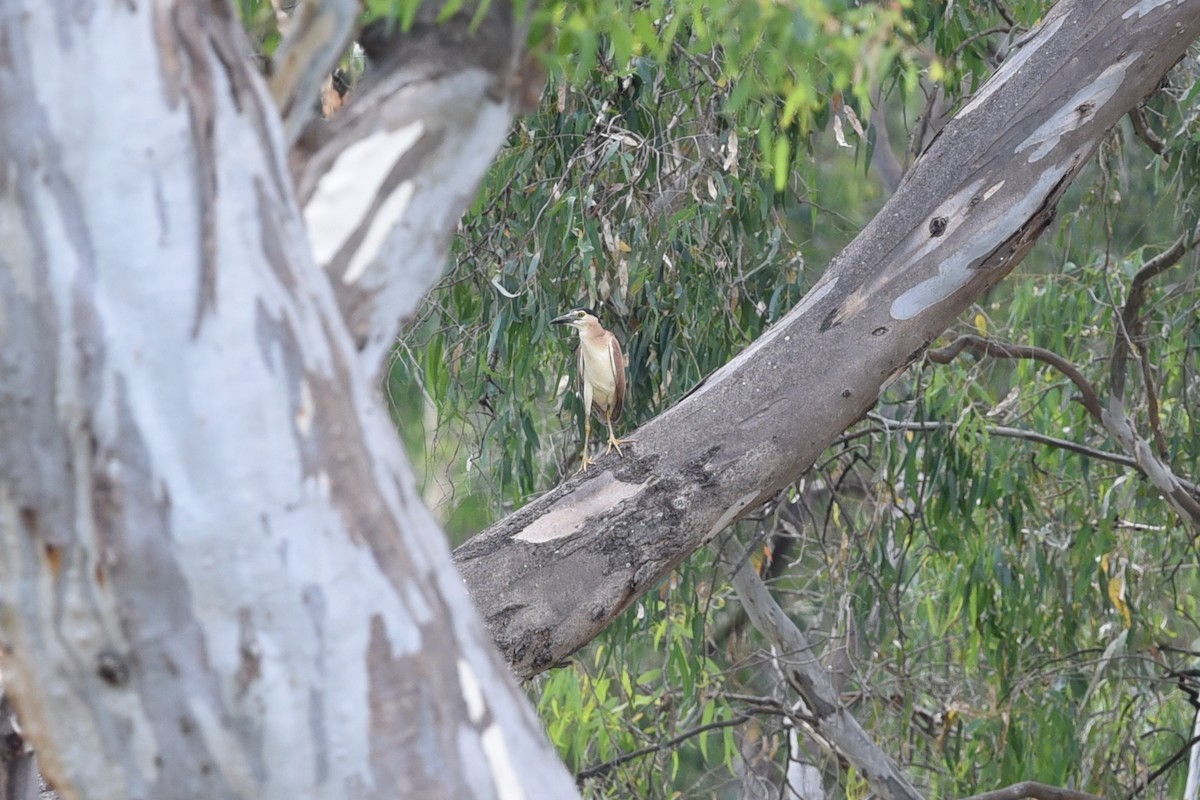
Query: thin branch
x,y
1152,415
945,355
1035,790
795,658
1004,431
1004,12
1019,433
883,157
1166,765
1141,127
1131,322
916,142
967,42
600,769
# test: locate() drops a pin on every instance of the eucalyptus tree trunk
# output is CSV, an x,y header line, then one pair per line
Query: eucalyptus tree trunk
x,y
549,577
216,577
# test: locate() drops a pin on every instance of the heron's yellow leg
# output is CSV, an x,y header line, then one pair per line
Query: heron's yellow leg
x,y
587,435
613,441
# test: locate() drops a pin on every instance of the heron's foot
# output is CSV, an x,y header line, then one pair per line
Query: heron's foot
x,y
585,462
615,443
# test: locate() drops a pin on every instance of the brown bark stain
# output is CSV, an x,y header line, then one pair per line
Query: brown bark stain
x,y
278,244
332,447
53,556
249,654
200,34
189,38
38,466
415,703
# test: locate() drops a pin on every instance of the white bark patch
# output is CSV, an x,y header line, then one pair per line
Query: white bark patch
x,y
991,190
1013,64
956,271
319,482
471,691
1145,7
593,497
508,786
388,215
18,247
1077,111
1117,422
346,192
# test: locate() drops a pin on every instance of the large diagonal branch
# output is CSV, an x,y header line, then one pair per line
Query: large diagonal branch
x,y
549,577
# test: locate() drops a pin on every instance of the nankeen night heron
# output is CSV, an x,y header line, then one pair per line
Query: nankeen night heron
x,y
601,375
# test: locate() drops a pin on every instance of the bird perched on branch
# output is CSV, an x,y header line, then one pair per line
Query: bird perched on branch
x,y
601,375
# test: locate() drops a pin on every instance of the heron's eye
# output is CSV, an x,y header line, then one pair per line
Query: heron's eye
x,y
580,314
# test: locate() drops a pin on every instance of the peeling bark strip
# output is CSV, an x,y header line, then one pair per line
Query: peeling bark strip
x,y
316,37
969,210
216,576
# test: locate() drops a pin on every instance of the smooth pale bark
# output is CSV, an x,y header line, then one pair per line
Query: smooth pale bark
x,y
216,577
549,577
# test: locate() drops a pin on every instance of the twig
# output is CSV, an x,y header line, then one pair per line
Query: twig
x,y
1007,432
916,143
1038,438
601,769
1004,12
945,355
1131,322
1141,126
1166,765
1160,440
965,43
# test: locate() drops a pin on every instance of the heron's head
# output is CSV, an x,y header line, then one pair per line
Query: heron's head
x,y
578,318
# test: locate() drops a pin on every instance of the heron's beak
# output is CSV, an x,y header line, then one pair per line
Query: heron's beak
x,y
563,320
